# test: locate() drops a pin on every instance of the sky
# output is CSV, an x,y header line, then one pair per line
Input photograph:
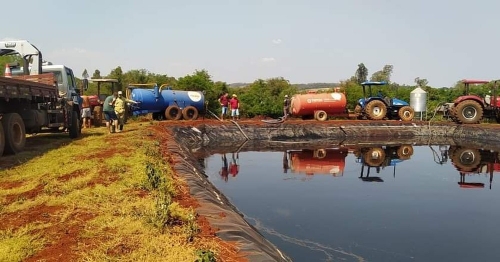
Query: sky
x,y
245,40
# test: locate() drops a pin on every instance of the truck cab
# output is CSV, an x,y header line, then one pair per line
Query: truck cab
x,y
64,76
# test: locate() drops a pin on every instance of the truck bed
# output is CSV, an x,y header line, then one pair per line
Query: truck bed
x,y
36,87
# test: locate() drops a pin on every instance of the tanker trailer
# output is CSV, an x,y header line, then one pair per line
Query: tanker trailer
x,y
167,103
319,106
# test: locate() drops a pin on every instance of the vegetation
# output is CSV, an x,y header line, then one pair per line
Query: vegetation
x,y
114,194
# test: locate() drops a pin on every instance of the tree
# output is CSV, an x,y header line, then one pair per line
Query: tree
x,y
361,73
421,82
383,75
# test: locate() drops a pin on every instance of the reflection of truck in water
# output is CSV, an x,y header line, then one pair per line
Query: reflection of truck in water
x,y
471,161
329,161
379,157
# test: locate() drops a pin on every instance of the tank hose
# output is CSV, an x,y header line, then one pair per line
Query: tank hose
x,y
234,122
435,111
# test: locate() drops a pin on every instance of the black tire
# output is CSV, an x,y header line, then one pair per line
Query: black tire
x,y
75,127
406,113
405,152
319,153
320,115
376,110
190,113
14,133
466,159
374,157
2,140
97,116
469,112
173,113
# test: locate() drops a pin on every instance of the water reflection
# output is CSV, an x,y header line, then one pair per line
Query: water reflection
x,y
337,215
472,161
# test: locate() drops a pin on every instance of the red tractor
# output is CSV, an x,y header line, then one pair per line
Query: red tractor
x,y
470,108
97,100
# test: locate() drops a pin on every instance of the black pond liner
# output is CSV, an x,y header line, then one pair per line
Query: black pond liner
x,y
194,143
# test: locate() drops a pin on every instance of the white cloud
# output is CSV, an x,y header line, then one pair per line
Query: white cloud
x,y
277,41
268,59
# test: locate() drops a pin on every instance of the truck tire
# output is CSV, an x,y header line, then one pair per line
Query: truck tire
x,y
97,116
14,132
190,113
173,113
74,128
406,113
376,110
469,112
374,157
320,115
2,140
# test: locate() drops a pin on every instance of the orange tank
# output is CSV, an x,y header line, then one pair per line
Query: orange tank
x,y
318,161
306,104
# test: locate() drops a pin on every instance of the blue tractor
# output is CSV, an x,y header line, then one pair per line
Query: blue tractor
x,y
380,106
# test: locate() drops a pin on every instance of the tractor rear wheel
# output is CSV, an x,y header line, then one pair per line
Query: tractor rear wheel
x,y
376,110
374,157
97,116
14,133
469,112
406,113
466,159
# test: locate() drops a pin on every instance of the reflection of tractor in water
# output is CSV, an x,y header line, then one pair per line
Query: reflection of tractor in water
x,y
471,161
380,107
381,157
318,161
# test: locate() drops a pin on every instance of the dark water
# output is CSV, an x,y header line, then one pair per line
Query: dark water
x,y
325,207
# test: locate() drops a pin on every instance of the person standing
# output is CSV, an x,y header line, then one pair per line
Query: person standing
x,y
223,100
120,104
286,107
86,113
234,167
109,113
235,105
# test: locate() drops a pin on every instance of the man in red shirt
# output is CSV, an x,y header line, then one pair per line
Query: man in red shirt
x,y
234,168
235,105
223,100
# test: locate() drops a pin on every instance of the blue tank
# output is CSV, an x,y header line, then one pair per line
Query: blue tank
x,y
157,101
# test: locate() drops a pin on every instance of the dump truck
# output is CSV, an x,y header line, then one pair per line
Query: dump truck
x,y
41,98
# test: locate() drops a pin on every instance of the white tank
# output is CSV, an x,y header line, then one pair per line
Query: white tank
x,y
418,100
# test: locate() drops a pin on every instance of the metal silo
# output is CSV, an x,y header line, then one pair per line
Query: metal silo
x,y
418,101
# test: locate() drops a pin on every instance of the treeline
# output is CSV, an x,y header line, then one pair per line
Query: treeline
x,y
265,96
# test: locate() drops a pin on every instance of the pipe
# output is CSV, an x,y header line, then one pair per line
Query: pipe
x,y
234,122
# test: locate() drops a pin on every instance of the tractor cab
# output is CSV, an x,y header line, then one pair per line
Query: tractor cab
x,y
380,106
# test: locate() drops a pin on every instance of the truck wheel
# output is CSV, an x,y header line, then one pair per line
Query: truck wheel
x,y
97,116
173,113
405,152
190,113
469,112
2,140
14,132
406,113
320,115
74,128
466,159
374,157
376,110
